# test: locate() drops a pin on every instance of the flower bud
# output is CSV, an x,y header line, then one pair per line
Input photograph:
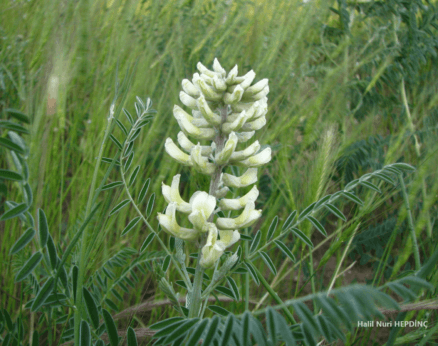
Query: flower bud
x,y
249,77
184,121
257,96
205,70
255,125
219,84
218,68
176,153
256,88
208,91
246,179
231,78
212,250
224,155
236,124
221,192
239,203
244,136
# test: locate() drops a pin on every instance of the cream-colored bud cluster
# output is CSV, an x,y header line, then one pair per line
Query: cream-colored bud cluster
x,y
226,110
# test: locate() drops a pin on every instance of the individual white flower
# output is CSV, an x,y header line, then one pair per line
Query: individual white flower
x,y
257,96
213,118
257,160
190,88
205,70
187,100
176,153
222,192
239,203
247,218
256,88
200,162
232,75
227,127
224,155
219,84
254,125
184,121
229,237
169,224
202,205
248,79
187,145
234,97
247,178
218,68
213,248
244,154
244,136
209,93
171,195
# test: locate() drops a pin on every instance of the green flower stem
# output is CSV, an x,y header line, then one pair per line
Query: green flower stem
x,y
411,223
274,295
83,255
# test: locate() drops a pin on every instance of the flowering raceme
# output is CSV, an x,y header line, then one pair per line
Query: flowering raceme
x,y
226,110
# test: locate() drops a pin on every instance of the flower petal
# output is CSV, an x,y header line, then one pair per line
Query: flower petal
x,y
200,162
224,155
239,203
171,194
257,160
187,145
176,153
169,224
187,100
244,154
246,219
213,118
248,178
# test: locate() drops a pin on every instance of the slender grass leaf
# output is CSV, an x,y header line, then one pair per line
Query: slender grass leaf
x,y
272,228
385,177
307,211
131,225
150,205
116,142
144,190
7,143
122,127
370,186
219,310
110,328
196,335
43,228
245,237
133,175
25,239
225,291
322,201
403,166
128,116
256,241
285,250
268,262
29,266
84,334
35,338
15,211
43,294
182,330
108,160
13,126
51,249
212,330
91,308
147,242
335,211
166,263
233,287
352,197
18,115
10,175
119,206
75,272
132,338
318,225
252,272
302,236
111,304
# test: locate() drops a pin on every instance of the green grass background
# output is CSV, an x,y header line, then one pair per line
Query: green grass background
x,y
58,62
